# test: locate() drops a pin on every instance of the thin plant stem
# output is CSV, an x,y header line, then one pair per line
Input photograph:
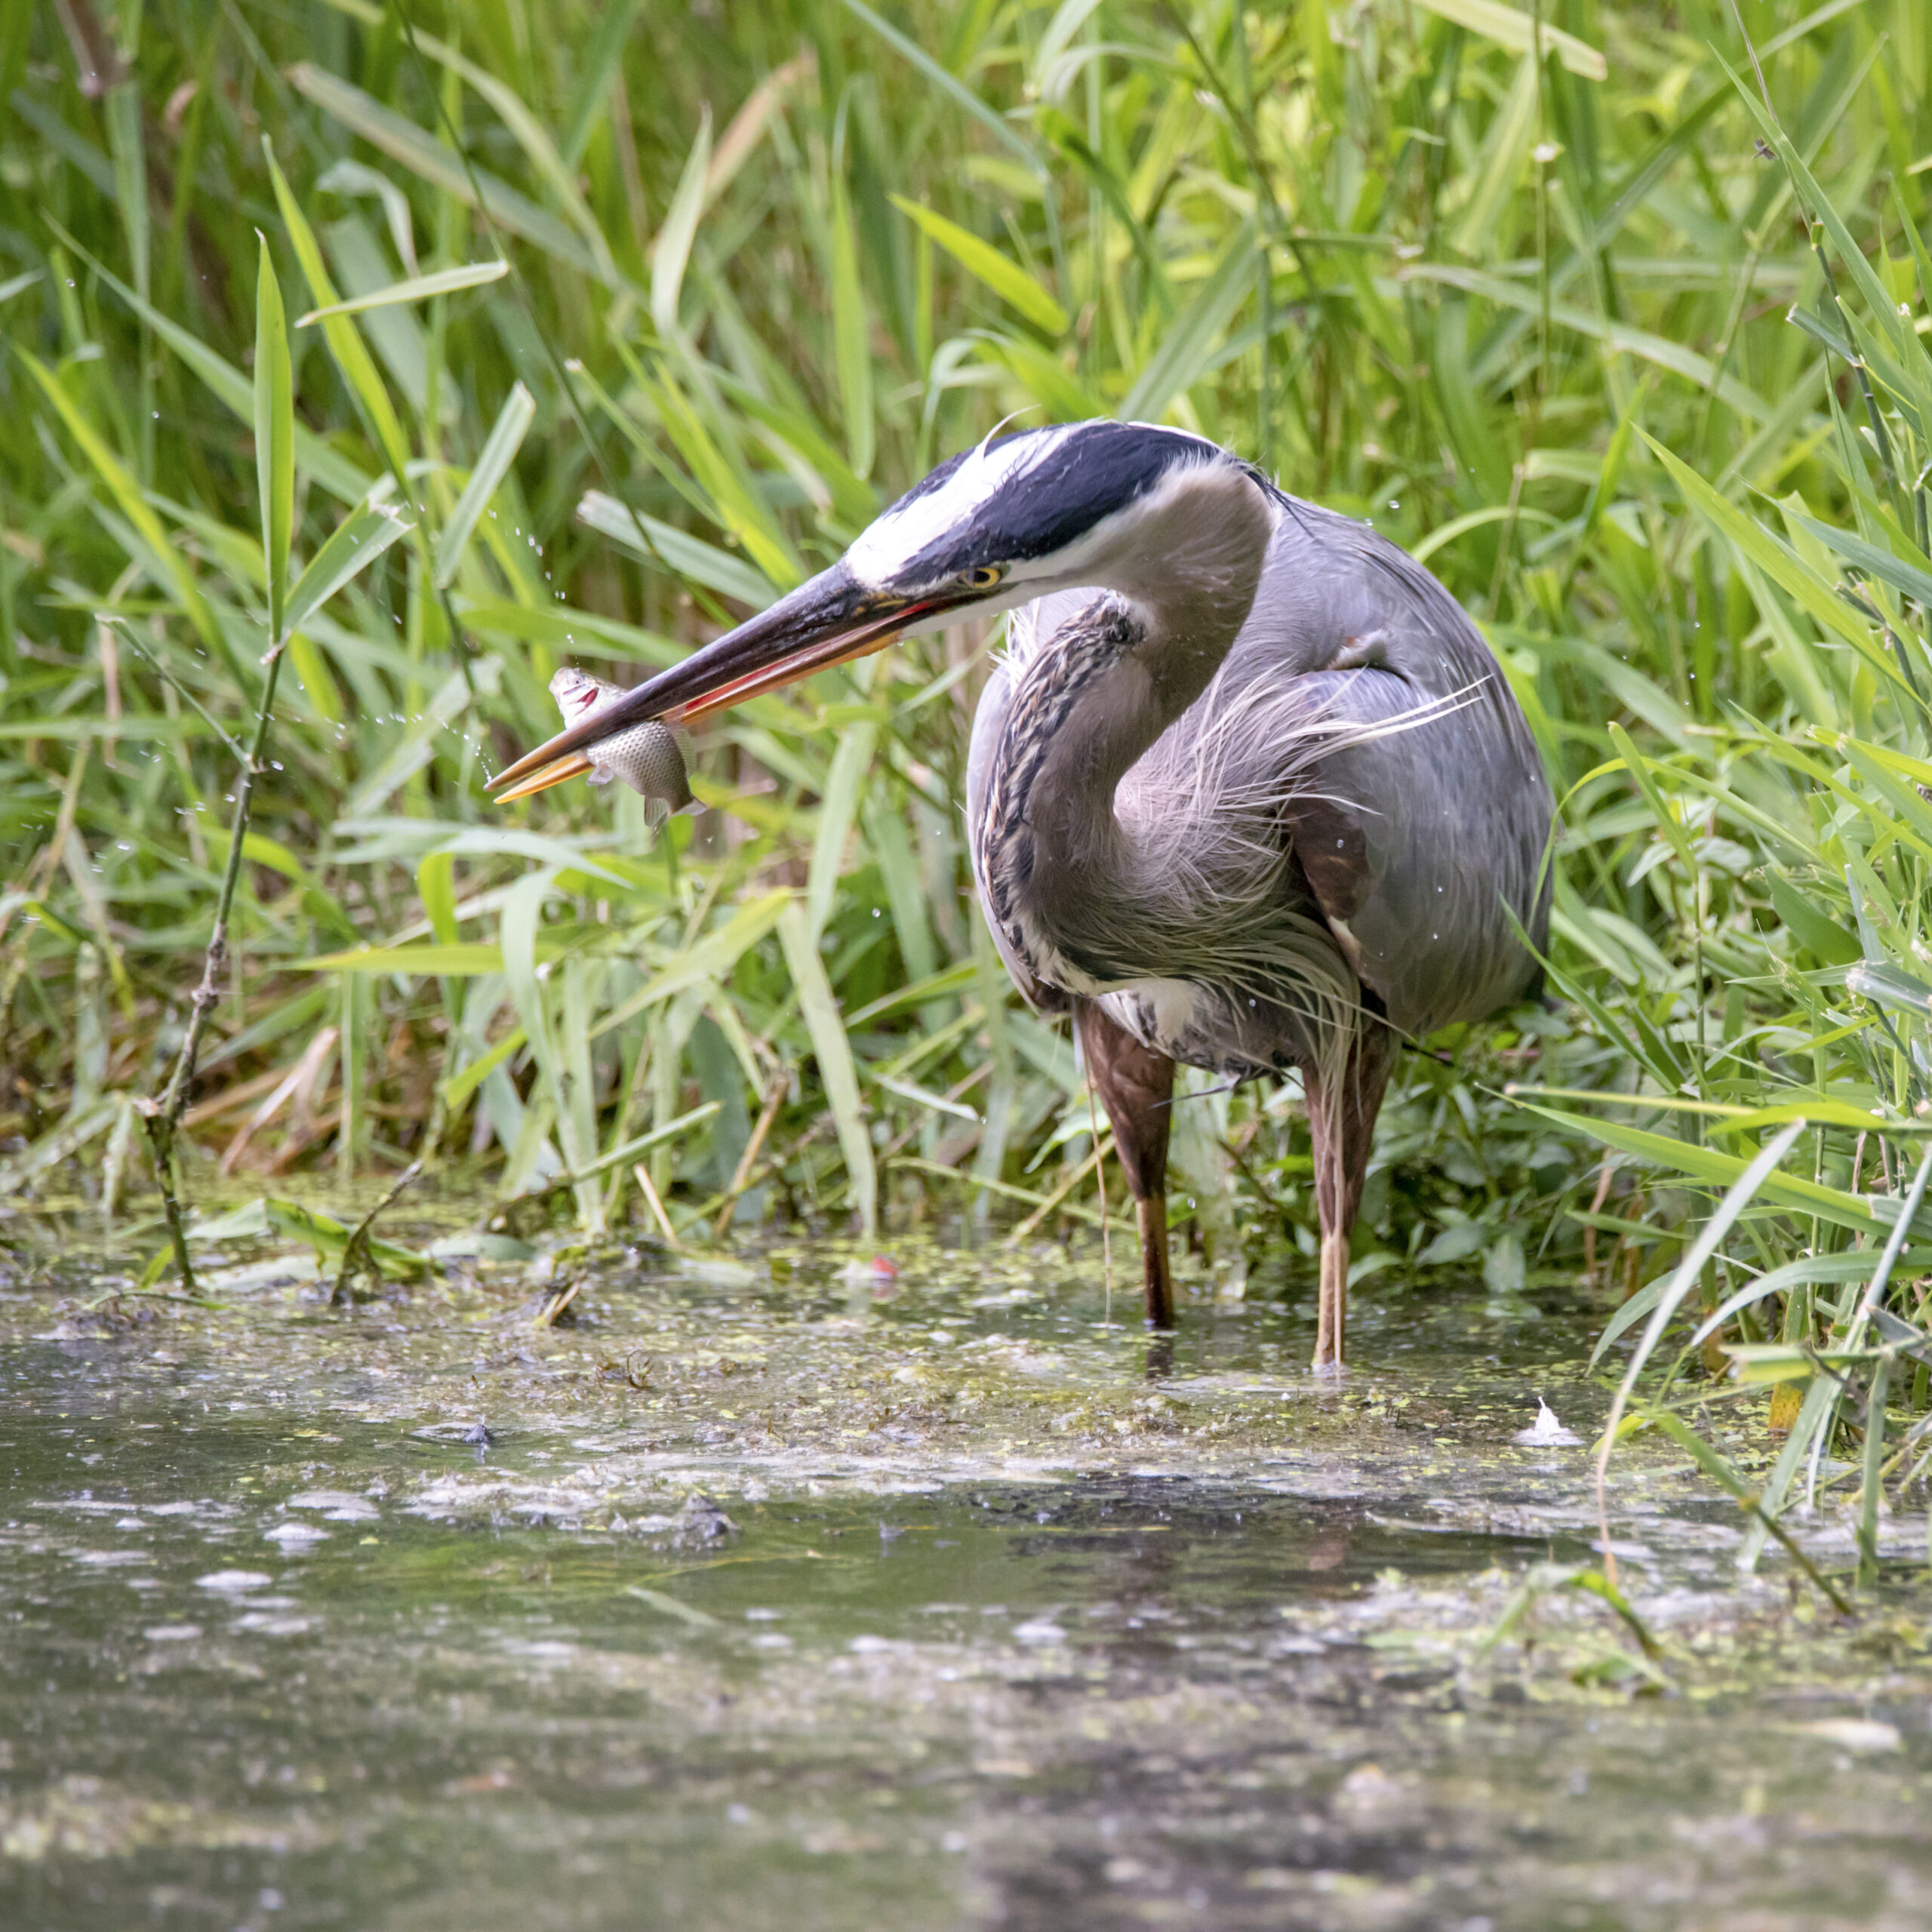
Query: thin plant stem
x,y
161,1116
1264,451
1539,47
1873,1477
1814,234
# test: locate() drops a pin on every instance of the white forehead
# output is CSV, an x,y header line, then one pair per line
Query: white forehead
x,y
883,549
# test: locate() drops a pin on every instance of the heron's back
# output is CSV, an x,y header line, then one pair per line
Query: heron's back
x,y
1357,787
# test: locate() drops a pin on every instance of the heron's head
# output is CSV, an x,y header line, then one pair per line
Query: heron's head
x,y
1046,509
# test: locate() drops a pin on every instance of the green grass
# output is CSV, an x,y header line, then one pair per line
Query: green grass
x,y
1635,363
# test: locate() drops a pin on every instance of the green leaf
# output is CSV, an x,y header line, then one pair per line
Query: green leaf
x,y
671,251
737,499
1818,206
855,500
577,1097
330,1236
1627,684
464,961
1640,343
1777,1361
528,132
1706,1164
712,958
948,84
1811,928
1638,767
435,886
1518,31
352,178
1888,986
166,556
356,543
1046,377
409,752
560,1051
833,1052
417,289
981,261
506,438
641,1143
1916,583
676,549
891,846
839,808
131,173
1505,148
346,344
458,1090
1068,18
601,61
1737,1197
851,332
1183,356
1781,565
334,472
403,141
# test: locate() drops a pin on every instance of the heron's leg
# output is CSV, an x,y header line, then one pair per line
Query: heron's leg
x,y
1135,1086
1341,1119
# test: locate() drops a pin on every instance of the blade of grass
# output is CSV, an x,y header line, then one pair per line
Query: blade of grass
x,y
833,1053
984,262
417,289
506,435
1739,1197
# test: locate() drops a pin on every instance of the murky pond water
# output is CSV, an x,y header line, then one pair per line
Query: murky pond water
x,y
773,1594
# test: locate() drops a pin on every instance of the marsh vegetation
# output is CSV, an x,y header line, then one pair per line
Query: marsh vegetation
x,y
369,362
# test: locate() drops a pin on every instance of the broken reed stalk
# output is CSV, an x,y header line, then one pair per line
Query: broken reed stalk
x,y
160,1117
779,1085
357,1256
275,470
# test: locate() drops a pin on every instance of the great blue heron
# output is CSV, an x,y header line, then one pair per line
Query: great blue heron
x,y
1246,791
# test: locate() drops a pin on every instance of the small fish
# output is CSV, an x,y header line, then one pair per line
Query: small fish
x,y
649,758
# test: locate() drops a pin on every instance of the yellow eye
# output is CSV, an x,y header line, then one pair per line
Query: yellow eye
x,y
985,576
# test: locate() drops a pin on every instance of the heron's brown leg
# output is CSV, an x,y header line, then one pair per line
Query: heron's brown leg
x,y
1136,1087
1341,1119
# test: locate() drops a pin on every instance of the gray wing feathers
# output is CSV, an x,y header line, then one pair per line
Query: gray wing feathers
x,y
1416,840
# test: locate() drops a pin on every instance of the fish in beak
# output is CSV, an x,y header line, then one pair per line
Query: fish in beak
x,y
831,619
648,757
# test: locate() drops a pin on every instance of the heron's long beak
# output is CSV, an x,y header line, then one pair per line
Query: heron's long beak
x,y
829,620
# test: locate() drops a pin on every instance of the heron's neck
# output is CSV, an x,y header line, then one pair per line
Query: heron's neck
x,y
1090,701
